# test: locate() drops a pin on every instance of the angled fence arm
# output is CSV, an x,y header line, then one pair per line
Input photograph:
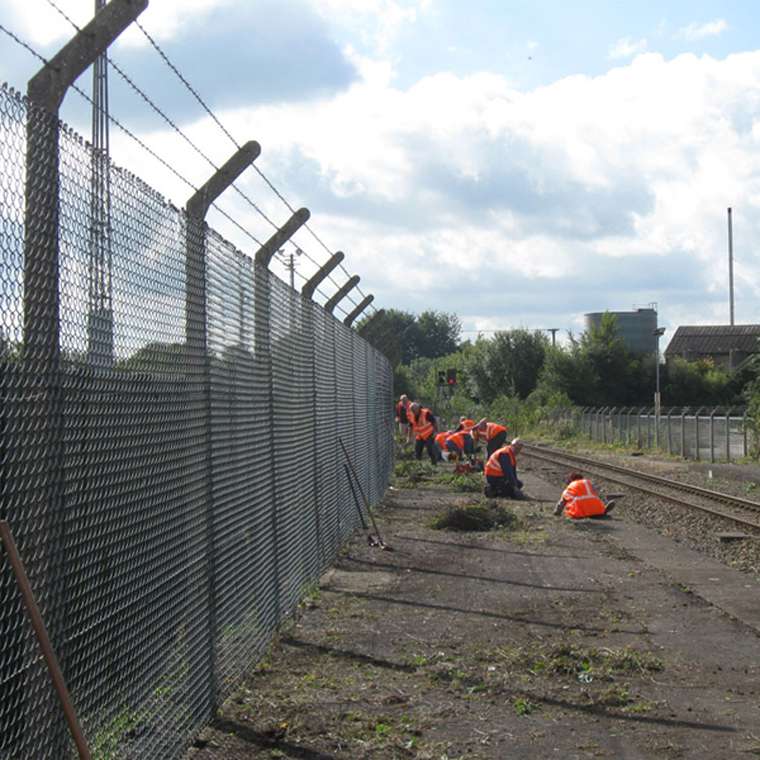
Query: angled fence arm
x,y
341,293
311,286
281,236
349,320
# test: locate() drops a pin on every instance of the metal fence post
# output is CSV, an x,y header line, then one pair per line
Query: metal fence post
x,y
728,434
670,430
744,434
196,335
696,433
684,409
712,434
40,458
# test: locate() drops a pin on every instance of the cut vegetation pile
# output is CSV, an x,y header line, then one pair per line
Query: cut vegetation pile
x,y
476,517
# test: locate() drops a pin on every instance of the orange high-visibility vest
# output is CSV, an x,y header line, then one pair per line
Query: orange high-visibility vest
x,y
457,439
493,465
402,411
492,429
422,424
440,439
581,500
467,424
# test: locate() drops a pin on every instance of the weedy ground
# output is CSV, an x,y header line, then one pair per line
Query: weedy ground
x,y
528,637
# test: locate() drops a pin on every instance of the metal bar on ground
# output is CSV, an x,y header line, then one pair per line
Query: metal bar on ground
x,y
361,490
38,624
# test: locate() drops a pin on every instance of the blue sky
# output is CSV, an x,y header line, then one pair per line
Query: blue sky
x,y
519,163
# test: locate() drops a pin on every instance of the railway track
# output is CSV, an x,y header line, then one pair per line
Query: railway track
x,y
742,511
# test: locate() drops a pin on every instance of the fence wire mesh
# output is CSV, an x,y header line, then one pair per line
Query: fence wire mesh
x,y
169,440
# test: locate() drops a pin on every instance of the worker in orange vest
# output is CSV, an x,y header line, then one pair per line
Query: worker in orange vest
x,y
423,424
465,423
440,443
494,435
501,472
459,444
580,499
402,416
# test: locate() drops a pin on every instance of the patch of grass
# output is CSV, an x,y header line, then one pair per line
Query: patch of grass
x,y
412,471
476,517
462,483
523,706
615,696
568,659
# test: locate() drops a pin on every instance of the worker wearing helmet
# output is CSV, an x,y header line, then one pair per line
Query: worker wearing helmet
x,y
501,472
424,427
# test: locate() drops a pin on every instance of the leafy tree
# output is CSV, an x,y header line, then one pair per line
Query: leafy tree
x,y
402,337
437,334
507,364
393,333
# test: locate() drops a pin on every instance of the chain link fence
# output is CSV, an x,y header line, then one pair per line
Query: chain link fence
x,y
169,443
708,434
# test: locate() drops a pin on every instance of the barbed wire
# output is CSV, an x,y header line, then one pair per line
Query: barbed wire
x,y
129,133
232,139
130,82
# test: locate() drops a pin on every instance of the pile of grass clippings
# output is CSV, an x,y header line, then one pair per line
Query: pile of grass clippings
x,y
476,517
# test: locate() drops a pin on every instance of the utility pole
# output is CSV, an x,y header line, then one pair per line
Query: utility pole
x,y
100,339
553,331
290,263
730,269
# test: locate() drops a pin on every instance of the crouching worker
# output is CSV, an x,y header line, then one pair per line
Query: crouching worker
x,y
423,425
580,499
501,472
459,444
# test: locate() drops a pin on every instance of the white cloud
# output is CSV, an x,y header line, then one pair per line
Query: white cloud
x,y
627,48
376,23
41,24
472,182
694,31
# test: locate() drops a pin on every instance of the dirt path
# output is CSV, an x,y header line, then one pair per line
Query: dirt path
x,y
549,641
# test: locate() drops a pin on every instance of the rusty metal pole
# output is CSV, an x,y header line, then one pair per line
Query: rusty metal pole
x,y
38,624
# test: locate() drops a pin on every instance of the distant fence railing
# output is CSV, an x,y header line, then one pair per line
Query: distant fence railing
x,y
708,434
169,448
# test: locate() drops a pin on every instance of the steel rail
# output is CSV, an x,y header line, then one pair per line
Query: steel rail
x,y
553,455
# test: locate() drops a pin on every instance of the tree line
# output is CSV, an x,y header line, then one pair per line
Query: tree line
x,y
520,367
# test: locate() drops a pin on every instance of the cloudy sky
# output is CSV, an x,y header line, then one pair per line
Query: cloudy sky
x,y
519,162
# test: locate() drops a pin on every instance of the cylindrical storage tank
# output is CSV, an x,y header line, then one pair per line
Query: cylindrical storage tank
x,y
636,328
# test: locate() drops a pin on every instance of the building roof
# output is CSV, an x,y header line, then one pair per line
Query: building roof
x,y
715,339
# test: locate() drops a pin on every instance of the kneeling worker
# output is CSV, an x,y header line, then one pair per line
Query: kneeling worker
x,y
423,424
501,472
580,499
